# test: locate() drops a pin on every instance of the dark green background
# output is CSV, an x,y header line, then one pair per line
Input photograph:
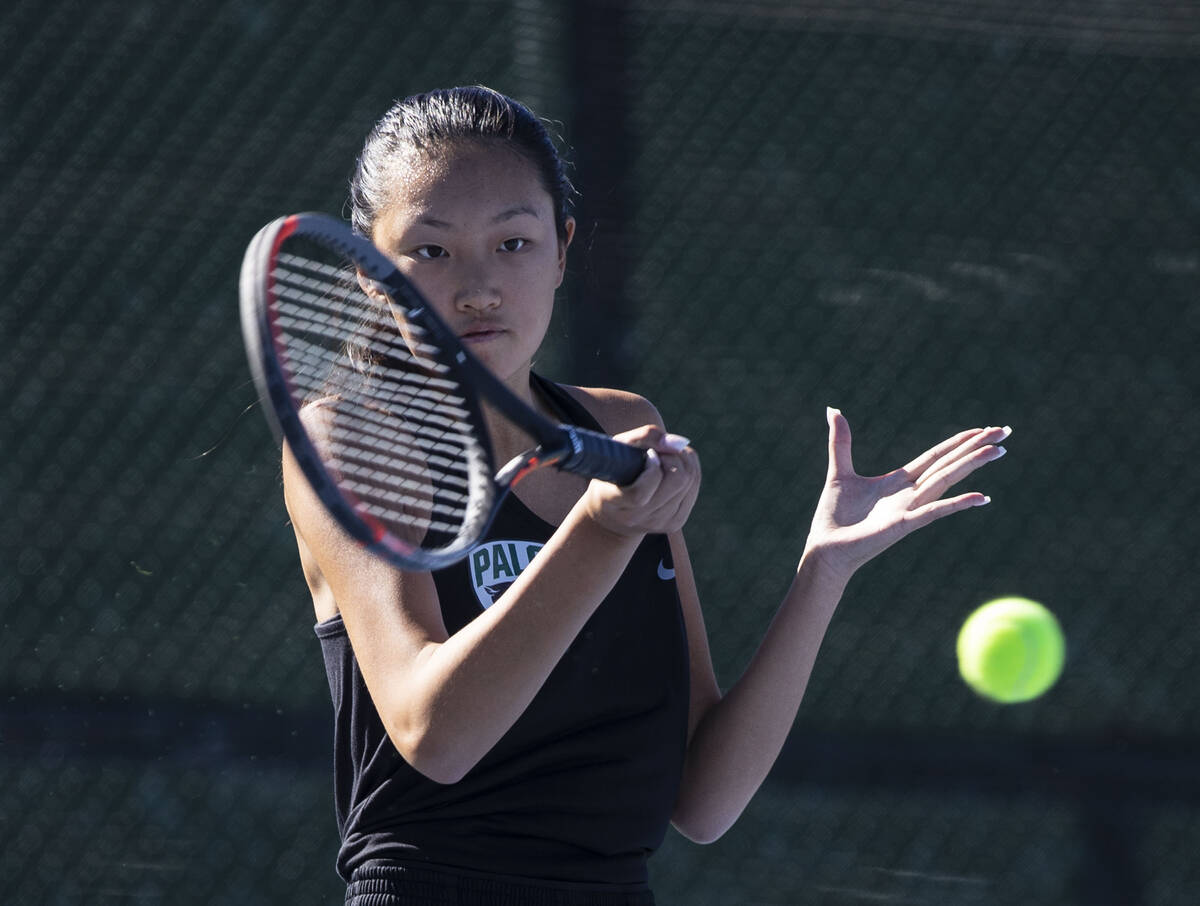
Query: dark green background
x,y
930,214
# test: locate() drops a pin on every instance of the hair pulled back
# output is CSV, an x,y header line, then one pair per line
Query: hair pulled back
x,y
434,122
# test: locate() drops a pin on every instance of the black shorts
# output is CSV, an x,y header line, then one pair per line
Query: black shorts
x,y
398,884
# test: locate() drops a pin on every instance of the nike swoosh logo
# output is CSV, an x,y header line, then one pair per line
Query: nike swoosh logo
x,y
664,573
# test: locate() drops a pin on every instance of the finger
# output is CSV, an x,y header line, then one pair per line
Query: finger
x,y
674,518
679,487
672,443
643,488
672,505
646,437
691,461
953,448
687,502
935,483
939,509
917,467
982,442
685,459
841,464
678,473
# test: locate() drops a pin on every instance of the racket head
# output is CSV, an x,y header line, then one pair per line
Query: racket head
x,y
368,389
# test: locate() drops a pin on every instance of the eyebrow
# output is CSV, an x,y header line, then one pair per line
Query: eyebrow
x,y
508,214
515,212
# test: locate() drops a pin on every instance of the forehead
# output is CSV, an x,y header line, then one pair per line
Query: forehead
x,y
467,177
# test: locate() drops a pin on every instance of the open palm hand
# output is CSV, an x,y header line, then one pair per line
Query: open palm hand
x,y
859,517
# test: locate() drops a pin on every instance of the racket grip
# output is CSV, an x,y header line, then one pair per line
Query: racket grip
x,y
599,456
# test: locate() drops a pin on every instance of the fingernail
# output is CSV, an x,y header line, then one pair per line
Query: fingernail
x,y
1007,429
1001,451
830,412
676,442
984,502
652,457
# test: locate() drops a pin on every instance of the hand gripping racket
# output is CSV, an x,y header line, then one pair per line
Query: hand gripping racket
x,y
381,405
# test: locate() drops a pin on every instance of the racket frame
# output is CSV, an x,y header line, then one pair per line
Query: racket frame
x,y
565,446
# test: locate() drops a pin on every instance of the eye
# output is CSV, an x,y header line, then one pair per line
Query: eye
x,y
514,245
429,252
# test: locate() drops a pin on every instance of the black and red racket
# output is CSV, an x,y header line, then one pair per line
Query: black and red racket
x,y
379,402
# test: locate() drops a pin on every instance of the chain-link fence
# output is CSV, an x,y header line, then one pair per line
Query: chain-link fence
x,y
930,214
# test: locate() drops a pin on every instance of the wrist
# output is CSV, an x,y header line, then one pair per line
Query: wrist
x,y
826,569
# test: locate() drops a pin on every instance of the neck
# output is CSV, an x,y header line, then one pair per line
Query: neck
x,y
508,440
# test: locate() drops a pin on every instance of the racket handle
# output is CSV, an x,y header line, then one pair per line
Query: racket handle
x,y
599,456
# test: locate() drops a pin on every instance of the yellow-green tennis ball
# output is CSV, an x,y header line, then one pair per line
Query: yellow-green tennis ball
x,y
1011,650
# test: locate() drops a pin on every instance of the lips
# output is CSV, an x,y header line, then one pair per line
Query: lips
x,y
480,333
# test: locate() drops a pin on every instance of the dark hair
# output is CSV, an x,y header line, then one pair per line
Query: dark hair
x,y
432,123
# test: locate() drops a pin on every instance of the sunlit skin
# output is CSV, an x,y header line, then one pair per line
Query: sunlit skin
x,y
475,231
473,227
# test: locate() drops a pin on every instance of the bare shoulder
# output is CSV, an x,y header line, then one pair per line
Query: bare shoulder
x,y
317,414
616,410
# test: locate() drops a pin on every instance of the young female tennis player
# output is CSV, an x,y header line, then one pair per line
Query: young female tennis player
x,y
521,727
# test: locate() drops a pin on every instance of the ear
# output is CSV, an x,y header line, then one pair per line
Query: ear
x,y
369,287
569,227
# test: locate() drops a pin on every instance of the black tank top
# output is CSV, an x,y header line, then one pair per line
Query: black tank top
x,y
582,786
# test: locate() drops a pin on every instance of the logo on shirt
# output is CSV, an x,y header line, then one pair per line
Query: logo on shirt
x,y
495,566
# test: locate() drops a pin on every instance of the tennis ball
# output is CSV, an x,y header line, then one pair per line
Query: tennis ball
x,y
1011,650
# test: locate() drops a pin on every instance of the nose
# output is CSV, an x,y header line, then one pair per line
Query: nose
x,y
477,290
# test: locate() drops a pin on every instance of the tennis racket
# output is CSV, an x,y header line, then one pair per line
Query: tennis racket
x,y
381,405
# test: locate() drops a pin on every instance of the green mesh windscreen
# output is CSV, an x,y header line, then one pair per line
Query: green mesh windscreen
x,y
929,214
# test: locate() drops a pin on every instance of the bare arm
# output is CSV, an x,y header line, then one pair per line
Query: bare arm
x,y
445,700
737,737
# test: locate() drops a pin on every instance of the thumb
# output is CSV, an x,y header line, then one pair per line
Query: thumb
x,y
840,462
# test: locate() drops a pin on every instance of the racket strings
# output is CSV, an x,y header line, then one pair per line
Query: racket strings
x,y
316,310
398,430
